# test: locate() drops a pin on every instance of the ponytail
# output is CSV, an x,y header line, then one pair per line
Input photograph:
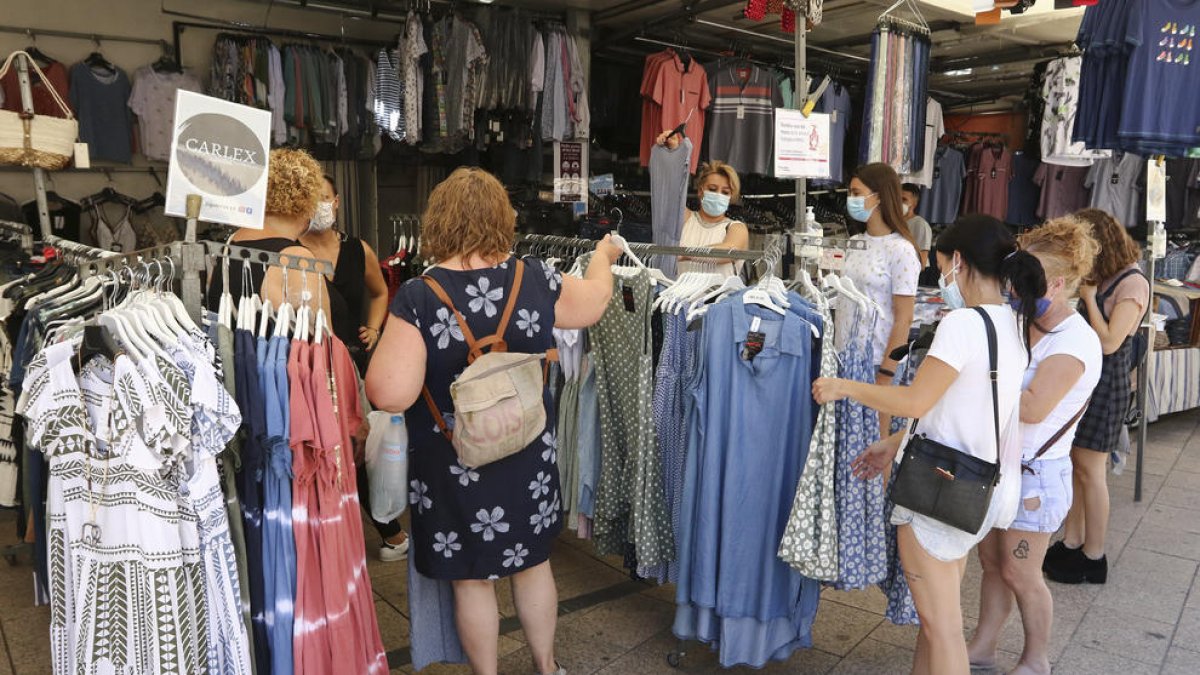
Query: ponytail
x,y
1025,276
991,250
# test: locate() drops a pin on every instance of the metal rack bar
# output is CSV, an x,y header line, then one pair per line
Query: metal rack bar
x,y
649,249
178,27
34,33
216,249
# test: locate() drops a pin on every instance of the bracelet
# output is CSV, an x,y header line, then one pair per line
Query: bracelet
x,y
885,371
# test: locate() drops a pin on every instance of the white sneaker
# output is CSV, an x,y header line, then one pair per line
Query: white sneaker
x,y
396,553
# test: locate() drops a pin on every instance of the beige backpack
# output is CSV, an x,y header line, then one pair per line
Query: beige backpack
x,y
498,406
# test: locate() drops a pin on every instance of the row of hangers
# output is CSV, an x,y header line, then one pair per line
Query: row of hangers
x,y
254,314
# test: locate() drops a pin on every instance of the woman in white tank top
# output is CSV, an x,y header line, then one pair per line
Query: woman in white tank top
x,y
717,184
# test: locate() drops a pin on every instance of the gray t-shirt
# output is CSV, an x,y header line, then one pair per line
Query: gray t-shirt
x,y
100,101
940,203
669,172
921,231
153,101
1114,185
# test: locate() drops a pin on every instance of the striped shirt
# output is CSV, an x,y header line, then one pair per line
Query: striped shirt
x,y
742,118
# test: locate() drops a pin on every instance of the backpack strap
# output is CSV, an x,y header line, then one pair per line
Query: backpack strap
x,y
462,321
1102,298
496,342
1026,467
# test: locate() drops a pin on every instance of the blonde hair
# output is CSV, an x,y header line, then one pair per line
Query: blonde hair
x,y
719,168
1066,248
468,214
294,184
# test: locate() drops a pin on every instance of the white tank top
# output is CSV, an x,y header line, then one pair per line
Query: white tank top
x,y
696,232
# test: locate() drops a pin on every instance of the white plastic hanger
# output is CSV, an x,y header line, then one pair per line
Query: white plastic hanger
x,y
322,326
760,297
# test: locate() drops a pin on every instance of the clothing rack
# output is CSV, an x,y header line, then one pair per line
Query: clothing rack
x,y
178,27
649,249
73,250
21,231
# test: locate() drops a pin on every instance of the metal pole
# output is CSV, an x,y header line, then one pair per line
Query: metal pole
x,y
39,174
800,94
192,261
1144,376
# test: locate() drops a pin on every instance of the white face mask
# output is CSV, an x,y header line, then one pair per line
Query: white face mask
x,y
324,218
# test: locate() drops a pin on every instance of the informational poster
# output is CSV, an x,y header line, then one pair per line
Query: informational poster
x,y
219,150
571,173
801,144
1156,191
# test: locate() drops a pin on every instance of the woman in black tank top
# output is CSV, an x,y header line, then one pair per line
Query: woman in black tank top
x,y
359,296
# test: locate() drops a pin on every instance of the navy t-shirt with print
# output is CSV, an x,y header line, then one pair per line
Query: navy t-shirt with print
x,y
1161,111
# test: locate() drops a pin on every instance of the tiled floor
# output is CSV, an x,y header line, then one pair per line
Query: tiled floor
x,y
1145,620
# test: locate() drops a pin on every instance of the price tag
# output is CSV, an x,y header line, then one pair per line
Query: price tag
x,y
937,173
993,174
754,341
82,157
833,259
833,117
741,112
1115,180
627,296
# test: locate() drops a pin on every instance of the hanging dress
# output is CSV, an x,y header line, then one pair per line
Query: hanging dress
x,y
630,506
733,590
126,575
279,546
810,543
494,520
862,553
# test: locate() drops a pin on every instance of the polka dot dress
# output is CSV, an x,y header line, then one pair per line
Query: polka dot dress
x,y
630,506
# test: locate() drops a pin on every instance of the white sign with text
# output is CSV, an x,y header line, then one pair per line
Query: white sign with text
x,y
219,150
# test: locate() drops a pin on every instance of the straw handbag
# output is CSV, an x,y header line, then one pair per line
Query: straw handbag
x,y
37,140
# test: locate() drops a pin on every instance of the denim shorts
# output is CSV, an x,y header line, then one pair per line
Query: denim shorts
x,y
1051,485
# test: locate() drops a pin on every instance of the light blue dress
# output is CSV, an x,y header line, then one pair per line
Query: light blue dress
x,y
279,546
862,548
741,474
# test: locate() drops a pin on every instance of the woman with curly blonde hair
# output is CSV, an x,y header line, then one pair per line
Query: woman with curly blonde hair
x,y
1115,298
1064,367
294,183
474,525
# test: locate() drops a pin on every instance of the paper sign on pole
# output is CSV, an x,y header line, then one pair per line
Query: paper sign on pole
x,y
1156,192
219,151
571,173
801,144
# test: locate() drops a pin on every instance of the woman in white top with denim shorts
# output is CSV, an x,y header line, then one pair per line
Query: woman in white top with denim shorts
x,y
1064,369
952,396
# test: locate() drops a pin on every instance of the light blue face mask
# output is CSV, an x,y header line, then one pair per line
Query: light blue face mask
x,y
951,294
714,204
856,207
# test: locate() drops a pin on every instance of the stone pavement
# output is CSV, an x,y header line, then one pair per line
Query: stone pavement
x,y
1146,620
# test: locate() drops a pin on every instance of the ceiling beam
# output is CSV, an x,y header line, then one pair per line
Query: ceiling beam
x,y
998,57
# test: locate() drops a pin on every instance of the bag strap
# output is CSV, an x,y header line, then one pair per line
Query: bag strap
x,y
45,80
1054,439
993,373
1102,298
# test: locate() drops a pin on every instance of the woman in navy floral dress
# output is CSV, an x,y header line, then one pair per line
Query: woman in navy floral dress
x,y
474,526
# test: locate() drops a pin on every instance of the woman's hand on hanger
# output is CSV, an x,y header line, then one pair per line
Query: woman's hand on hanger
x,y
668,139
829,389
877,457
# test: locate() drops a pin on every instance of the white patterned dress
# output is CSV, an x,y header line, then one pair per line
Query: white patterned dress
x,y
127,576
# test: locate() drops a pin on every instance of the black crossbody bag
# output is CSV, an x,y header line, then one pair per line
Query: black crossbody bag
x,y
945,484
